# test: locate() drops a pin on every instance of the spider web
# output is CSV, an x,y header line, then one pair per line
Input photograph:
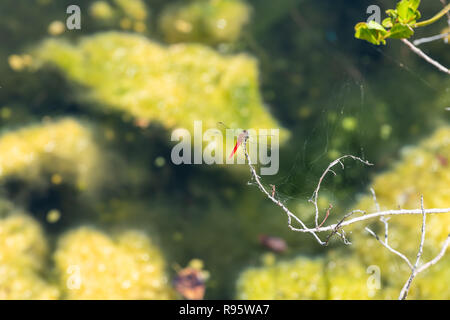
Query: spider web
x,y
348,100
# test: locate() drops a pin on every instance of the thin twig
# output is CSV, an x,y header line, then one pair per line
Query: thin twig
x,y
276,201
437,258
377,215
386,228
327,214
435,18
430,39
341,223
422,238
374,196
387,246
338,225
415,270
421,54
329,169
405,289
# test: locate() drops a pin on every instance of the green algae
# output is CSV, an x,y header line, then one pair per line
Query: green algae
x,y
92,265
306,278
205,21
63,149
23,257
173,85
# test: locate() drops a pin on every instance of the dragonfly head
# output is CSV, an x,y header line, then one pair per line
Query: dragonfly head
x,y
246,135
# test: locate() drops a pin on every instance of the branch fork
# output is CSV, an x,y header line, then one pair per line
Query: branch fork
x,y
337,228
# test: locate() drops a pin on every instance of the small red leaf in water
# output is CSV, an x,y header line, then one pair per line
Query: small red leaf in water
x,y
190,283
443,160
273,243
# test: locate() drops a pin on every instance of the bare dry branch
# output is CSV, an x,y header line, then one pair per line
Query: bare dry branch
x,y
415,270
387,246
273,199
421,54
338,227
342,223
329,169
405,289
326,215
422,238
437,258
418,42
374,196
376,215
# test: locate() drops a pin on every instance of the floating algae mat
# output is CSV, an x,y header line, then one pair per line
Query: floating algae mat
x,y
173,85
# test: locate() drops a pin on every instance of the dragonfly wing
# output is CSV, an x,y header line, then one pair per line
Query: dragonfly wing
x,y
235,149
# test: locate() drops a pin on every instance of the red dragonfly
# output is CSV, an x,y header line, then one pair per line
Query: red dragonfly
x,y
243,136
240,139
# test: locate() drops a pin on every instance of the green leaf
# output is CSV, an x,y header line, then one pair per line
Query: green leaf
x,y
402,10
400,31
387,23
372,32
392,13
398,25
407,11
373,25
415,4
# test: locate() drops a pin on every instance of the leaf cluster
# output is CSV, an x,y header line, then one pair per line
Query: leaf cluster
x,y
399,24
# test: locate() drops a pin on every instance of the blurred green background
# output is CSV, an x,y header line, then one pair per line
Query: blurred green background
x,y
93,208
